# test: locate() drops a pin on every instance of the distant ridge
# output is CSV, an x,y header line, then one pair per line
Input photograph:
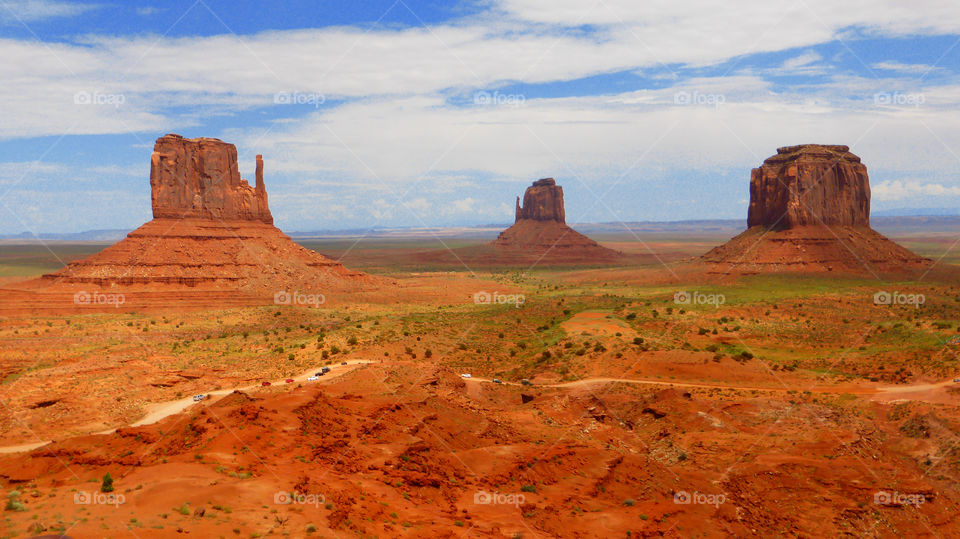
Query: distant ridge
x,y
879,219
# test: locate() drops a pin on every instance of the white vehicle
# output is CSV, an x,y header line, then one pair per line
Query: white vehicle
x,y
466,375
198,398
313,378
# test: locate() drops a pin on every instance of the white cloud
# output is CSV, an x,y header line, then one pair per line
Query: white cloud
x,y
801,61
149,10
142,77
906,189
25,11
909,69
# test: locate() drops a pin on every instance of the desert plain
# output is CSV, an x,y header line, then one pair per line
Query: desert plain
x,y
662,401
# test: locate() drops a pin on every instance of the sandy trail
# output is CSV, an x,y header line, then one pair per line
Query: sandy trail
x,y
928,392
162,410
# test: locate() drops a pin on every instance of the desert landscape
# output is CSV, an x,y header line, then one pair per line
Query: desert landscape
x,y
560,321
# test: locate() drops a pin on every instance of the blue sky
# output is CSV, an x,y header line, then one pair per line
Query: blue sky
x,y
422,113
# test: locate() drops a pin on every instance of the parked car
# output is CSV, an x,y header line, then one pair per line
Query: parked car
x,y
198,398
465,375
343,362
289,380
526,382
324,370
956,380
313,378
265,384
497,381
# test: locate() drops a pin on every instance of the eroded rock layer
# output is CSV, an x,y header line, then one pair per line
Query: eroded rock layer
x,y
810,212
541,230
201,178
810,185
211,231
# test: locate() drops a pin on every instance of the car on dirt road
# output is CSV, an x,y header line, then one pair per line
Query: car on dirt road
x,y
324,370
497,381
465,375
526,382
265,384
313,378
289,380
343,362
198,398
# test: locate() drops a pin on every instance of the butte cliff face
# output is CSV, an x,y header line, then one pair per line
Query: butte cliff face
x,y
810,212
540,231
810,185
200,178
542,201
211,231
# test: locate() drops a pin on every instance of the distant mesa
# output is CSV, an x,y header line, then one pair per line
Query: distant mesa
x,y
540,228
810,212
211,231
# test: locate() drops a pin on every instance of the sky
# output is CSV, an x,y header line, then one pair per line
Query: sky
x,y
412,113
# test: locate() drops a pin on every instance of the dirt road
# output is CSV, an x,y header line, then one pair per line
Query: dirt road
x,y
162,410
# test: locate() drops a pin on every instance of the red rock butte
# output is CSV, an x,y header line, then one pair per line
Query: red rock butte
x,y
810,212
211,233
201,178
540,228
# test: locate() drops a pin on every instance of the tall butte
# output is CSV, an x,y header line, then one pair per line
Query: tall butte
x,y
211,231
810,212
541,230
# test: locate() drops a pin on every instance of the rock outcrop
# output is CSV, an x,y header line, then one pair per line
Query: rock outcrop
x,y
542,201
201,178
810,185
810,212
540,231
211,232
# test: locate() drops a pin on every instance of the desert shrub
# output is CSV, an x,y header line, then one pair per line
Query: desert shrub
x,y
107,484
